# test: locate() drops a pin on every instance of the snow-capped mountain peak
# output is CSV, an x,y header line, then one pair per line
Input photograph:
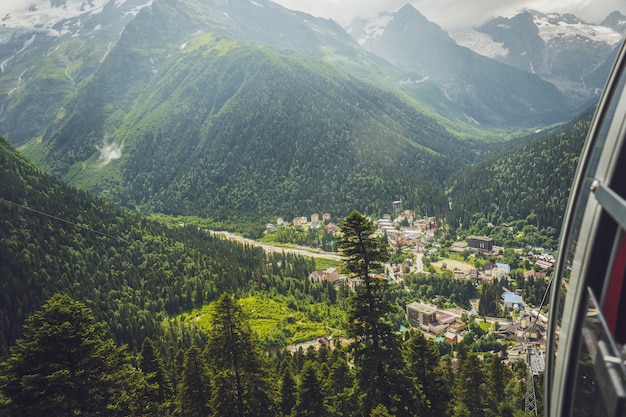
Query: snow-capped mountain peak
x,y
550,45
45,16
554,25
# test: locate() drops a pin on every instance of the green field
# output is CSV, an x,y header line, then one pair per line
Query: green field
x,y
279,322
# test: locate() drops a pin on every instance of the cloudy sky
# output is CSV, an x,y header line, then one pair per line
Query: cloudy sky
x,y
451,14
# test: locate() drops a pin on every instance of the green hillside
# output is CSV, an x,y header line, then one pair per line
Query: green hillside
x,y
221,128
132,272
529,182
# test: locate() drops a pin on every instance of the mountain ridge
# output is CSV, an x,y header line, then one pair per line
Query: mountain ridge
x,y
486,90
562,49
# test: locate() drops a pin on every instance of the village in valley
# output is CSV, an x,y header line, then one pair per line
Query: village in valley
x,y
421,246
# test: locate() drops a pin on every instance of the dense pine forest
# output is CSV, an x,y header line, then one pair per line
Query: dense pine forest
x,y
67,363
525,179
94,322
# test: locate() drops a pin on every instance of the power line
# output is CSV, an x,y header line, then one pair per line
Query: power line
x,y
60,219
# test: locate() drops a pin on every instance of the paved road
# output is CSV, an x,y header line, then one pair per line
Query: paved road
x,y
419,262
296,250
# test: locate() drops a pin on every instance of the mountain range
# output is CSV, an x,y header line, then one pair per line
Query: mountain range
x,y
220,108
563,49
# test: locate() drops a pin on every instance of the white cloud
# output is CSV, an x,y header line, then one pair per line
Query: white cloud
x,y
8,6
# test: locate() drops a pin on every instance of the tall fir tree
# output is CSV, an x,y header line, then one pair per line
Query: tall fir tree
x,y
310,400
288,391
194,392
151,363
376,348
424,370
470,394
241,370
66,365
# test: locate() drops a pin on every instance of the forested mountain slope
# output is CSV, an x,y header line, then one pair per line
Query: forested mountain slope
x,y
531,182
218,127
132,272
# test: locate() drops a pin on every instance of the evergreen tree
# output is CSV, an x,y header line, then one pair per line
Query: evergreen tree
x,y
243,385
66,365
194,392
470,394
423,369
310,398
498,377
380,411
151,363
287,392
376,348
339,387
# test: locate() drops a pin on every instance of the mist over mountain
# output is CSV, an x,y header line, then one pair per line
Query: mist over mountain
x,y
486,90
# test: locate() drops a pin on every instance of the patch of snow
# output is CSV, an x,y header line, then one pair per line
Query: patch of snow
x,y
255,3
184,45
5,63
479,42
375,28
44,17
471,120
137,9
551,28
411,81
19,82
107,52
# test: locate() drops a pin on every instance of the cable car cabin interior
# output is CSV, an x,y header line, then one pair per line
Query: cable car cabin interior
x,y
585,373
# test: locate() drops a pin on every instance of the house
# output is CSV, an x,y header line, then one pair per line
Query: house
x,y
331,275
397,206
315,218
543,264
420,314
451,337
480,243
504,267
303,219
536,275
458,247
280,222
512,301
297,222
326,216
331,227
316,276
270,228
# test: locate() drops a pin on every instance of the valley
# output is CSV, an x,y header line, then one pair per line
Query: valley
x,y
156,158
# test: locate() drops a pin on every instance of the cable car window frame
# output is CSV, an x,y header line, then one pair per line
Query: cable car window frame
x,y
578,248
